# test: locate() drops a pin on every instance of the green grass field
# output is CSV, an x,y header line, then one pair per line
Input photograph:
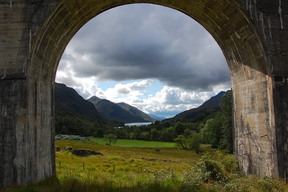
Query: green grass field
x,y
132,168
161,156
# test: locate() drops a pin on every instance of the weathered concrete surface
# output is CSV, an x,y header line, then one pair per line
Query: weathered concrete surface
x,y
34,33
13,103
270,18
26,119
27,146
281,113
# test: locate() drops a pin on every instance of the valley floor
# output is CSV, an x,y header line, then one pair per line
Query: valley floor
x,y
147,169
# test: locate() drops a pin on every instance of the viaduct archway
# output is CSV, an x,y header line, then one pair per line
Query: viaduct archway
x,y
253,35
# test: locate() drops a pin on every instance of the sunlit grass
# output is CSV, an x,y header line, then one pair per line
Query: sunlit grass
x,y
122,160
172,154
137,143
124,167
130,169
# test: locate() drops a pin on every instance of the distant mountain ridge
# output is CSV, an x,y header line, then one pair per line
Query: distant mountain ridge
x,y
68,100
136,111
94,100
120,112
156,117
203,111
96,109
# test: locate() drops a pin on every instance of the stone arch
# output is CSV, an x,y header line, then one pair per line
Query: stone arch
x,y
55,23
226,21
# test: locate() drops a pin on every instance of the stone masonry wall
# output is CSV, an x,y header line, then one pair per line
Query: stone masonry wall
x,y
271,21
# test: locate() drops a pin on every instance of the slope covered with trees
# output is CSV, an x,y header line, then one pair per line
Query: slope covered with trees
x,y
68,100
75,115
204,111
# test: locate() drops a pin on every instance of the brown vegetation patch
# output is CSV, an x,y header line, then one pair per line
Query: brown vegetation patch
x,y
80,152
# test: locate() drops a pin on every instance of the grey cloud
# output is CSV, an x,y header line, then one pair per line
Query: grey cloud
x,y
141,86
123,90
139,42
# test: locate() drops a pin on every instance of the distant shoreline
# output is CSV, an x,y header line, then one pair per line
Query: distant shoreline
x,y
138,124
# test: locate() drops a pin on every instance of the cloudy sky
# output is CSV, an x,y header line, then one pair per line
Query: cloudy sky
x,y
152,57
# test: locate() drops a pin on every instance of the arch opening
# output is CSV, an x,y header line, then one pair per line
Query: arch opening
x,y
144,134
234,33
158,47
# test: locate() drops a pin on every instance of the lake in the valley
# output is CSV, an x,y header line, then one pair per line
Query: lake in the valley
x,y
138,124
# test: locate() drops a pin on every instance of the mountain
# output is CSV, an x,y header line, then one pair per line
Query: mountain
x,y
203,111
135,111
120,112
68,100
94,100
156,117
75,115
96,109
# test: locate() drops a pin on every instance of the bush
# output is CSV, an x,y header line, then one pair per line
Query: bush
x,y
194,142
71,137
191,142
209,170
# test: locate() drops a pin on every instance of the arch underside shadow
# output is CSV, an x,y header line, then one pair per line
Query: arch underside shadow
x,y
226,21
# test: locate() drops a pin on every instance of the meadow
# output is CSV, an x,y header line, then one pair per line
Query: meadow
x,y
147,168
137,143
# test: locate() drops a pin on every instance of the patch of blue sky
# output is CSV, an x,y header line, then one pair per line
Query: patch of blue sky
x,y
104,85
156,86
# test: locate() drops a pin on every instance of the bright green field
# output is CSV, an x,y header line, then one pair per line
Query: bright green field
x,y
137,143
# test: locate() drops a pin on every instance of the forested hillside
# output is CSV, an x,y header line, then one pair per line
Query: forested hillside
x,y
204,111
68,100
74,115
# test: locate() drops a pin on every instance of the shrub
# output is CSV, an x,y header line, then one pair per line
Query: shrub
x,y
209,170
191,142
229,163
71,137
194,142
110,139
